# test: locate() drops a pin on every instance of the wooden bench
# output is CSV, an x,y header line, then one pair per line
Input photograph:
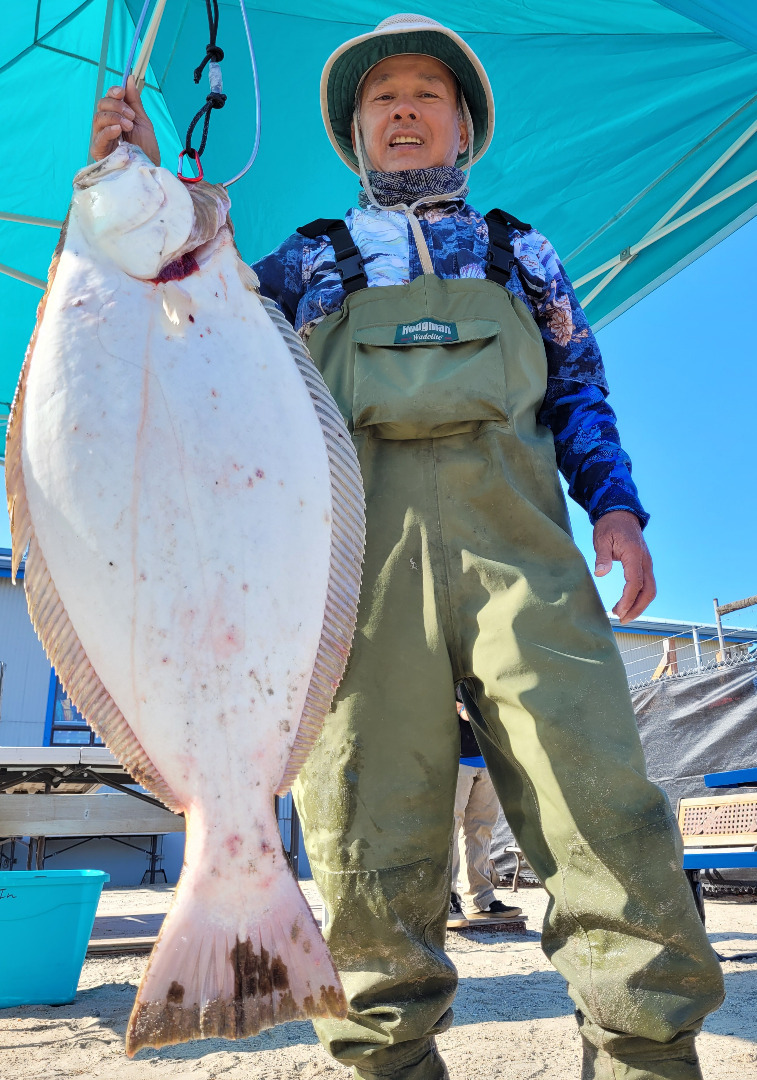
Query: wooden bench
x,y
719,831
51,791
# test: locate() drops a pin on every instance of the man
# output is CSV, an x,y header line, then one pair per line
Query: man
x,y
456,350
476,812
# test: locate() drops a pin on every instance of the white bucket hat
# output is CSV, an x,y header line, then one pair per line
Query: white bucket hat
x,y
346,67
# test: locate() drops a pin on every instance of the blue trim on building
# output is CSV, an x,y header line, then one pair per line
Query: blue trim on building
x,y
50,708
5,564
660,634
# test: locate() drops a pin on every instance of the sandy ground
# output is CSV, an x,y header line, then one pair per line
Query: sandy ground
x,y
513,1018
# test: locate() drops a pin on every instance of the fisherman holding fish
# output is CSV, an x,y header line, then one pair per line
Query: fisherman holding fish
x,y
456,350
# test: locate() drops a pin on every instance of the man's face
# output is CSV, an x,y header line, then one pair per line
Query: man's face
x,y
409,115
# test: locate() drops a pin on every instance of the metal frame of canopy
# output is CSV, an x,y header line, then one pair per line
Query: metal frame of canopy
x,y
139,71
675,218
668,223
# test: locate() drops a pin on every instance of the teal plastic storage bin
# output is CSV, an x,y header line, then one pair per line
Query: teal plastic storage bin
x,y
46,918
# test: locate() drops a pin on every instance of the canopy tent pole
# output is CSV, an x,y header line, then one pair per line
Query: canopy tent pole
x,y
26,219
139,70
19,275
103,63
659,179
657,231
616,264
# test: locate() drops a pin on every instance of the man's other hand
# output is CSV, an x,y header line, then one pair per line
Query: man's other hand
x,y
618,538
120,112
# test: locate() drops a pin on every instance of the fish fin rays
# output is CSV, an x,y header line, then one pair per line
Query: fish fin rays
x,y
347,544
233,984
79,680
18,507
48,615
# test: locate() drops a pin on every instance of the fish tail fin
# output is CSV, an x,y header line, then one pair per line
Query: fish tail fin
x,y
210,976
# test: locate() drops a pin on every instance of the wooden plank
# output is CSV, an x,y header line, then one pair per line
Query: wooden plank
x,y
747,799
98,756
746,840
710,806
33,757
115,946
84,815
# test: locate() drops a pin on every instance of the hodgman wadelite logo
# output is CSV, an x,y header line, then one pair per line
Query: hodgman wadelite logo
x,y
424,330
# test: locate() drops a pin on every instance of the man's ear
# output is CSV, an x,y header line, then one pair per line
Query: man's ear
x,y
463,136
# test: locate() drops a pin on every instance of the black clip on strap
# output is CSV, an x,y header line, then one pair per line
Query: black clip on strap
x,y
500,258
349,261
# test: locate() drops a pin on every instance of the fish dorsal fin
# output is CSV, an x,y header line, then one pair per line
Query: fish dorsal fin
x,y
49,617
347,544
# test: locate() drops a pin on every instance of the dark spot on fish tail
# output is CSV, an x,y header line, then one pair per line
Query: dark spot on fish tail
x,y
270,691
245,587
306,946
279,974
253,976
260,474
332,1000
265,847
308,1005
175,994
180,268
213,393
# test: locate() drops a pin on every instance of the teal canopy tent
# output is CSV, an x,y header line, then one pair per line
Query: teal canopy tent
x,y
625,128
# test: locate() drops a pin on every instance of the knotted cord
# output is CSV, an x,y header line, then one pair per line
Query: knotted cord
x,y
216,99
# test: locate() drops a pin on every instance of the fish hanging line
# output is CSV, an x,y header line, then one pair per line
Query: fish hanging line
x,y
216,99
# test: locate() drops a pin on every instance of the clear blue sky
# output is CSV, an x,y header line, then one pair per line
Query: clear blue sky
x,y
682,371
682,368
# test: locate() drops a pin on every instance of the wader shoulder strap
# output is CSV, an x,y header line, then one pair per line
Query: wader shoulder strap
x,y
349,262
500,258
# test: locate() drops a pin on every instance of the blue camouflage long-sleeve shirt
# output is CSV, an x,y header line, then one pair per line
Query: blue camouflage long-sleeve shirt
x,y
301,277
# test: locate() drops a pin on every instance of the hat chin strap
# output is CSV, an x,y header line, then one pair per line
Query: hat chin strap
x,y
363,162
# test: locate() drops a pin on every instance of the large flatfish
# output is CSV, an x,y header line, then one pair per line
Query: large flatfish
x,y
192,507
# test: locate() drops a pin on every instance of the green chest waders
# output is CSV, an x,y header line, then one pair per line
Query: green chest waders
x,y
471,572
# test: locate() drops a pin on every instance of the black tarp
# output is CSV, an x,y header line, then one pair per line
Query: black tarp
x,y
689,725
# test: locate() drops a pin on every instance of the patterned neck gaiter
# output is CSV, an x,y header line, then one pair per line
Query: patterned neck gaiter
x,y
412,185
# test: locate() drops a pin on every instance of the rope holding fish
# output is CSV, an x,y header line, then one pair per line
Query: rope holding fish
x,y
216,99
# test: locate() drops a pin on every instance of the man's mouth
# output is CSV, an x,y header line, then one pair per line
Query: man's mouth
x,y
406,140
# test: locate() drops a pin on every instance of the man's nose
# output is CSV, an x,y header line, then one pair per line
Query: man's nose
x,y
405,110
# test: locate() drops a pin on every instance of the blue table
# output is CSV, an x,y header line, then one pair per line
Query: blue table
x,y
697,859
735,778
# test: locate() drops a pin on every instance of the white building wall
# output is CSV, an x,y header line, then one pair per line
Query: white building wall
x,y
26,682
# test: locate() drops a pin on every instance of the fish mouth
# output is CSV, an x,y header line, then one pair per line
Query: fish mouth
x,y
144,219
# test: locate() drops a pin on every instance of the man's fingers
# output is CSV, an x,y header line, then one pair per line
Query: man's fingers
x,y
647,592
603,548
633,571
109,106
133,99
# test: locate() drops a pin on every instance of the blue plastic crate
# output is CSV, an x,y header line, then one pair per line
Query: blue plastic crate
x,y
46,918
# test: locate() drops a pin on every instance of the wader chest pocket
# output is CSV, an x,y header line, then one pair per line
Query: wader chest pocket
x,y
406,389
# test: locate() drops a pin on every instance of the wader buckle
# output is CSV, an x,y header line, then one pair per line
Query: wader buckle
x,y
349,262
